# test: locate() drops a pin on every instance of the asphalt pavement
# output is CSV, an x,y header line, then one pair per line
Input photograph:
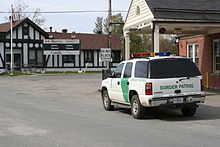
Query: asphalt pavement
x,y
66,111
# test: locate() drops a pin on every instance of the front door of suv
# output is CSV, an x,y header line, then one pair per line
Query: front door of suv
x,y
115,91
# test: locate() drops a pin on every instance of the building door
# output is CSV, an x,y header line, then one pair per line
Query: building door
x,y
17,61
193,53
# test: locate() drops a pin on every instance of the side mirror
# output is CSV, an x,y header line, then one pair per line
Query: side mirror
x,y
107,73
113,75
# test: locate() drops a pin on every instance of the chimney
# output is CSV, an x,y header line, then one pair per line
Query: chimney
x,y
64,30
51,29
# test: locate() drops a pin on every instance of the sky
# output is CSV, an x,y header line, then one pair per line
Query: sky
x,y
77,22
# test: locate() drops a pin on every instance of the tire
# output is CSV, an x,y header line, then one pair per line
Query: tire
x,y
188,110
137,110
106,101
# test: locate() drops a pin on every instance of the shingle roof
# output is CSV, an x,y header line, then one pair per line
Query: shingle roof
x,y
91,41
6,27
185,9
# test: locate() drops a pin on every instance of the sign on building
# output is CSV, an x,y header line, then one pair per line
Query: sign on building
x,y
61,46
106,54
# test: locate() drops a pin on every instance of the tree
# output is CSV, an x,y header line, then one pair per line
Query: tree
x,y
116,29
36,17
98,25
140,42
167,44
143,43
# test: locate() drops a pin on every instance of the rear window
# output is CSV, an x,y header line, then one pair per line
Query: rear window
x,y
172,68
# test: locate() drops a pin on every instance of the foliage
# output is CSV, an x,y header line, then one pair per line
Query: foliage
x,y
36,17
140,42
116,29
167,43
98,25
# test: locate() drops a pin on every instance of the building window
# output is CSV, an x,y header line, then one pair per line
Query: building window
x,y
68,59
8,58
39,58
26,31
193,53
89,56
32,58
35,58
216,55
137,11
116,56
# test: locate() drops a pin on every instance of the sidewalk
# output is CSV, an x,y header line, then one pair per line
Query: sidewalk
x,y
213,92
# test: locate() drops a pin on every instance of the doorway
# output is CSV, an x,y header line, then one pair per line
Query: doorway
x,y
17,61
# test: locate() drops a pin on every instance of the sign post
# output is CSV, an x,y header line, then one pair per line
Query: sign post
x,y
106,56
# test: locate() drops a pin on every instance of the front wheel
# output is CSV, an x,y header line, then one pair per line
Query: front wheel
x,y
188,110
137,109
106,101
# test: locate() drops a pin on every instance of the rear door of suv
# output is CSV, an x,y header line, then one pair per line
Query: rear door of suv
x,y
174,76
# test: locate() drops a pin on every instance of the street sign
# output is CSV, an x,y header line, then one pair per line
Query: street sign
x,y
52,52
106,54
61,44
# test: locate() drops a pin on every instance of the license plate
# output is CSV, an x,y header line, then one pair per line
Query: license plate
x,y
178,100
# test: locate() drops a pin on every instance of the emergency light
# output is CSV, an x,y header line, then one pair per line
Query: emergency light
x,y
142,55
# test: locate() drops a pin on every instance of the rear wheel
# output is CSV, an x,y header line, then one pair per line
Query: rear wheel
x,y
137,109
188,110
106,101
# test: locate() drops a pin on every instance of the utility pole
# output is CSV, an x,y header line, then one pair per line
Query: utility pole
x,y
110,12
109,29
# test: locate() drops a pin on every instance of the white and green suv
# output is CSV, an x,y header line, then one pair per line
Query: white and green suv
x,y
154,82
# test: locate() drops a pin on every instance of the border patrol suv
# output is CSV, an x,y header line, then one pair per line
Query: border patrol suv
x,y
160,81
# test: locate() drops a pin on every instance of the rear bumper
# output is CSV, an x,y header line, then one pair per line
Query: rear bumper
x,y
177,100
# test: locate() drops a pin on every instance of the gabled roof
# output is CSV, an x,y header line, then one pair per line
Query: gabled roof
x,y
6,27
91,41
185,9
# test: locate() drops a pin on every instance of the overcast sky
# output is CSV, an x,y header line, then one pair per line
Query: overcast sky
x,y
78,22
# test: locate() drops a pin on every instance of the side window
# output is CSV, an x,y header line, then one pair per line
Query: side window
x,y
128,70
118,70
141,69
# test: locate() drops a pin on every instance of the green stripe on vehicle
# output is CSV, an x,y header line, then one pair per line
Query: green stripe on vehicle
x,y
124,88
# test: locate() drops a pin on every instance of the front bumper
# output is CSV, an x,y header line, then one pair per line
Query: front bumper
x,y
177,100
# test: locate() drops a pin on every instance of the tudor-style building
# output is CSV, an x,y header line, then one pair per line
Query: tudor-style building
x,y
66,51
90,52
27,44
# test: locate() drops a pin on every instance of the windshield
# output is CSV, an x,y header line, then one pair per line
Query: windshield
x,y
173,68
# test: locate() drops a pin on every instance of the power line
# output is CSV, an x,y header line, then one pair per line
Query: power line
x,y
71,11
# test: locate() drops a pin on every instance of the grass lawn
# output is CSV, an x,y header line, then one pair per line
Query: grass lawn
x,y
47,73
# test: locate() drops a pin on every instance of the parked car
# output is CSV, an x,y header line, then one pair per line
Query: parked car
x,y
154,82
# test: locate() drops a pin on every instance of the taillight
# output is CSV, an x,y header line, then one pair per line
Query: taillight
x,y
148,89
201,83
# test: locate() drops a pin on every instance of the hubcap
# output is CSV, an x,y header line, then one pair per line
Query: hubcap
x,y
135,107
106,100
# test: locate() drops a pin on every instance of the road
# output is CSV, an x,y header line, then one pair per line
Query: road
x,y
66,111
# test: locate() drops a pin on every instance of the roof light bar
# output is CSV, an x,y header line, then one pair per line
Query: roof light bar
x,y
144,55
163,54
